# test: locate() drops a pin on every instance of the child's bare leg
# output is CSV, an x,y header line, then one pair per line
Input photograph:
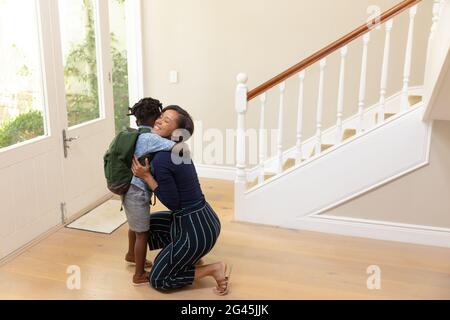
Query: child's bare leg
x,y
131,243
140,253
129,257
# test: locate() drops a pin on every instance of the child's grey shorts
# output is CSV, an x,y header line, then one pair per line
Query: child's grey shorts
x,y
136,203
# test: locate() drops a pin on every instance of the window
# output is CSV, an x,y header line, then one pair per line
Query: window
x,y
21,99
118,42
78,40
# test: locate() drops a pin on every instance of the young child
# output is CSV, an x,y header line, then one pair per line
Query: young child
x,y
136,201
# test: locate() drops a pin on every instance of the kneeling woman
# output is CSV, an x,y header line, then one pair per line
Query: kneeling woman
x,y
190,229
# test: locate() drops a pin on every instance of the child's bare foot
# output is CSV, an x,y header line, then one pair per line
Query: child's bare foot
x,y
130,258
140,279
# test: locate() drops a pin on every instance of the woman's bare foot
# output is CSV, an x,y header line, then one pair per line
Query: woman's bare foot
x,y
200,262
130,258
140,279
219,274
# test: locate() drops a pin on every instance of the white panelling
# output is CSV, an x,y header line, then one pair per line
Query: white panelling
x,y
357,166
24,189
84,172
31,193
6,205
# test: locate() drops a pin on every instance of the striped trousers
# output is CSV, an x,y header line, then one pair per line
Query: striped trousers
x,y
184,236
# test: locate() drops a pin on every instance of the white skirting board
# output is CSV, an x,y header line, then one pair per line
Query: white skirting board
x,y
216,172
380,230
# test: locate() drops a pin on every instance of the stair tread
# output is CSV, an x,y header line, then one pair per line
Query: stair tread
x,y
289,163
323,148
387,115
414,99
348,133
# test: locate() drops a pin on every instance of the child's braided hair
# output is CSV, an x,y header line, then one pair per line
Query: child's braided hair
x,y
146,111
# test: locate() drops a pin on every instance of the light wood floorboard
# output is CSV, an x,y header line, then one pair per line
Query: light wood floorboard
x,y
268,263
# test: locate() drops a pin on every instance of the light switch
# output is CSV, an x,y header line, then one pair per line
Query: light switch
x,y
173,76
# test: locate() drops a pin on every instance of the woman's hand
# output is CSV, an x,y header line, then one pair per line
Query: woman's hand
x,y
143,172
140,171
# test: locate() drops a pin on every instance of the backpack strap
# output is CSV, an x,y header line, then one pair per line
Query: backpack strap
x,y
144,130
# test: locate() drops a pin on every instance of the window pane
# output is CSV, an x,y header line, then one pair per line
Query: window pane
x,y
21,99
80,60
120,64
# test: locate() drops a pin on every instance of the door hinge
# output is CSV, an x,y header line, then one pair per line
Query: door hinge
x,y
63,213
109,77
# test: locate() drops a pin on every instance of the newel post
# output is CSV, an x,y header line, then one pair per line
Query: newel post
x,y
241,109
241,176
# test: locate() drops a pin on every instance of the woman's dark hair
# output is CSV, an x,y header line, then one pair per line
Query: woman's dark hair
x,y
146,111
184,120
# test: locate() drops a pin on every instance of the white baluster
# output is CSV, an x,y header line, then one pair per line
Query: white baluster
x,y
282,88
362,82
436,13
340,105
262,138
385,71
408,56
241,109
299,153
323,64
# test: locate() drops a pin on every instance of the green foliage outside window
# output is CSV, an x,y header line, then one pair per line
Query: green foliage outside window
x,y
80,67
23,127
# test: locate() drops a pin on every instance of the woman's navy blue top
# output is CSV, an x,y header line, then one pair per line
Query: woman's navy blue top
x,y
178,185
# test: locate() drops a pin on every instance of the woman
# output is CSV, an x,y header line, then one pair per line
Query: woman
x,y
190,229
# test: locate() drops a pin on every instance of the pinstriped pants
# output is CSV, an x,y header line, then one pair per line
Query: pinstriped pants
x,y
184,239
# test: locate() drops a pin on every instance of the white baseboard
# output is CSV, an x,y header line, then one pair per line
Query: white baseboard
x,y
380,230
216,172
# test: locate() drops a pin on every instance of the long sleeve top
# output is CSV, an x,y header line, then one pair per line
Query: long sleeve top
x,y
178,184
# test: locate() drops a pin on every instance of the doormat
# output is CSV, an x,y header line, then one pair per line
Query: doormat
x,y
106,218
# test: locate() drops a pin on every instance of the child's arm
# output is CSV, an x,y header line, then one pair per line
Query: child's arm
x,y
155,143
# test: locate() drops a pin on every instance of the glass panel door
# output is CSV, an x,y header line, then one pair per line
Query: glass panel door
x,y
89,115
78,40
118,40
22,111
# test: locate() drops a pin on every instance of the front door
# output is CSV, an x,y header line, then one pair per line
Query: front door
x,y
85,87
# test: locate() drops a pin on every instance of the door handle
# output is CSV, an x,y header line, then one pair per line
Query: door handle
x,y
65,141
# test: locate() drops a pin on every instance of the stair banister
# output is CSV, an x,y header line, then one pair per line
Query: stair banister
x,y
301,101
282,88
385,70
341,91
241,109
262,138
323,64
362,82
437,5
408,57
338,44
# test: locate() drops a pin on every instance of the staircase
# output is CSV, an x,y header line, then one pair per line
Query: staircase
x,y
374,146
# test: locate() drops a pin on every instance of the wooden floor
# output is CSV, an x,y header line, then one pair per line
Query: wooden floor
x,y
268,263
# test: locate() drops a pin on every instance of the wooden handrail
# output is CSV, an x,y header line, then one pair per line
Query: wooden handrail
x,y
319,55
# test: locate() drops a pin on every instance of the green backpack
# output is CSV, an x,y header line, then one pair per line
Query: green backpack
x,y
117,160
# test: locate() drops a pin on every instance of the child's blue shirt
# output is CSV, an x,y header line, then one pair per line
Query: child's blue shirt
x,y
148,143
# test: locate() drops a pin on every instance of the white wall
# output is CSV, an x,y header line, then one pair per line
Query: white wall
x,y
209,42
